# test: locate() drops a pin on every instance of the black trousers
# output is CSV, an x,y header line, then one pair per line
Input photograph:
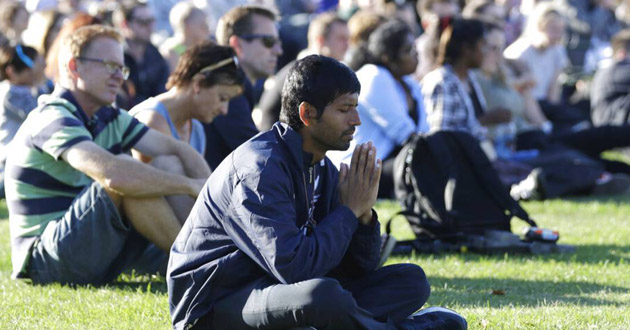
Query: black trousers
x,y
591,141
377,300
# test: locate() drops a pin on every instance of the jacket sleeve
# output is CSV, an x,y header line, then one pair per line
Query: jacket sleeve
x,y
262,224
363,254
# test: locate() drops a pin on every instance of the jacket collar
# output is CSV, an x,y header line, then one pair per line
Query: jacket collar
x,y
293,140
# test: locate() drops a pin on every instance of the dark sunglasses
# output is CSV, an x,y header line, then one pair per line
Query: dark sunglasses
x,y
267,40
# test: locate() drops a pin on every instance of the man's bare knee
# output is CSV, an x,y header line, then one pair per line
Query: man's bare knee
x,y
169,163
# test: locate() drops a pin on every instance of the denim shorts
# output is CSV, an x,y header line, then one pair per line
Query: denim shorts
x,y
91,244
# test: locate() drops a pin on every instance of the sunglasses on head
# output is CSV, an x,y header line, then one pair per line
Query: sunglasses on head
x,y
219,65
267,40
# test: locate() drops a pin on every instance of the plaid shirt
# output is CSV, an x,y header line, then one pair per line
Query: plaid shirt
x,y
448,105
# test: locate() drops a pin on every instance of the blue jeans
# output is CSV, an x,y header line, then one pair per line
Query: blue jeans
x,y
91,244
377,300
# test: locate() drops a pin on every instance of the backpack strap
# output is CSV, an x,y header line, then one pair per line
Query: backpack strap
x,y
475,155
388,225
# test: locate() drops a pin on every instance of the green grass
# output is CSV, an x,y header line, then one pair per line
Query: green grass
x,y
589,289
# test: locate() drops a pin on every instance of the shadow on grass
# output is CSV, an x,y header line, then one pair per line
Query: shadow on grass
x,y
616,199
139,284
482,292
584,254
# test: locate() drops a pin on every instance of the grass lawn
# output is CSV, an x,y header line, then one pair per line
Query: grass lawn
x,y
589,289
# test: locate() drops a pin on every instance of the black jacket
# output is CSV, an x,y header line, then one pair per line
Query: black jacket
x,y
610,95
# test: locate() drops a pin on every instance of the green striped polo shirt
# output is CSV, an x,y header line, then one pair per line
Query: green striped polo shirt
x,y
40,186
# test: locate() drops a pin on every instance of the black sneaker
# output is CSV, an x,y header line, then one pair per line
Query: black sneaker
x,y
434,318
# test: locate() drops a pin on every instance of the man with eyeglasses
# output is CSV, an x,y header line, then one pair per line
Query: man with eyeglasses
x,y
81,210
251,31
148,69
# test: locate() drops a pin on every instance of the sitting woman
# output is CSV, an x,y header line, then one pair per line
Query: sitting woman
x,y
21,72
529,126
540,48
390,102
205,79
454,100
452,97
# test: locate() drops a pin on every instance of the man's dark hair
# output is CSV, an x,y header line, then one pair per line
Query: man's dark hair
x,y
621,41
317,80
238,21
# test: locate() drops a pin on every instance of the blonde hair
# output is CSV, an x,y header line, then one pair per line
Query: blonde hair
x,y
181,12
540,17
76,44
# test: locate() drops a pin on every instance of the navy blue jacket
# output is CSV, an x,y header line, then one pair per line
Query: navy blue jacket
x,y
246,225
148,77
225,133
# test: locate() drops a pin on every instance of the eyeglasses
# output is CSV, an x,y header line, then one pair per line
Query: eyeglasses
x,y
267,40
110,66
220,64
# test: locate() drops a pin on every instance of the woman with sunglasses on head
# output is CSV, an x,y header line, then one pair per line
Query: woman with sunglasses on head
x,y
21,71
205,79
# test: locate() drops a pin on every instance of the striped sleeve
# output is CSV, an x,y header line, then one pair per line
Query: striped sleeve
x,y
57,130
133,130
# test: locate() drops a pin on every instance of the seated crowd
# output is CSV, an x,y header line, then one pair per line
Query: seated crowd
x,y
247,173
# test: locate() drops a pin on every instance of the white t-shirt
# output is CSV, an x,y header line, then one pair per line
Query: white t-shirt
x,y
543,64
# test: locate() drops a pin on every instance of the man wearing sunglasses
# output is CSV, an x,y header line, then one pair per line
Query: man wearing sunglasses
x,y
148,69
251,31
81,209
328,35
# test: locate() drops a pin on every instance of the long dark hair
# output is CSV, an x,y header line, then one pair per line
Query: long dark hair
x,y
385,41
454,34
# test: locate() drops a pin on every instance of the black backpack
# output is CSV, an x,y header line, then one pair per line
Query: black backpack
x,y
449,190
